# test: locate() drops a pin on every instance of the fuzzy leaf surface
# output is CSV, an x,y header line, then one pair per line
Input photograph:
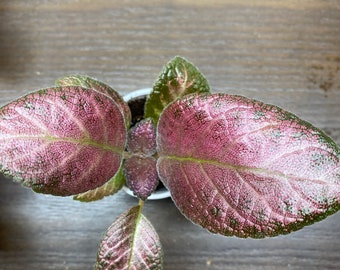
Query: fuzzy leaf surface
x,y
178,78
94,84
62,140
109,188
141,175
142,138
240,167
130,243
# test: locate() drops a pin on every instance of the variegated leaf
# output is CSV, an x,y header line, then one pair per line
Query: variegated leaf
x,y
130,243
62,140
178,78
237,166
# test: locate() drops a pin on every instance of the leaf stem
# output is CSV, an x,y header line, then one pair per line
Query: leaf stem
x,y
141,204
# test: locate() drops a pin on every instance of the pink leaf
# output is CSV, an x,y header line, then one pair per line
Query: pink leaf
x,y
141,175
240,167
142,138
91,83
130,243
109,188
63,140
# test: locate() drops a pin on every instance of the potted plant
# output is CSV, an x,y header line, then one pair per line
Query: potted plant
x,y
233,165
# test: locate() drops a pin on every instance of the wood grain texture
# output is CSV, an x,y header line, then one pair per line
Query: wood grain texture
x,y
286,53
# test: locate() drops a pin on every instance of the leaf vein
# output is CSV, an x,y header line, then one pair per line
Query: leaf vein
x,y
216,187
70,115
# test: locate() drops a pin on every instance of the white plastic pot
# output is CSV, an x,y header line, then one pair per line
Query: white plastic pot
x,y
163,192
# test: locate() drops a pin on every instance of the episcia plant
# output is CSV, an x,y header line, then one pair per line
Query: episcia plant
x,y
233,165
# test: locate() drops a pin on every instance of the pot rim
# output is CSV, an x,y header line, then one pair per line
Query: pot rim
x,y
137,93
162,193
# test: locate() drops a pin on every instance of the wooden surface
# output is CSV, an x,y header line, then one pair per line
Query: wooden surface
x,y
285,53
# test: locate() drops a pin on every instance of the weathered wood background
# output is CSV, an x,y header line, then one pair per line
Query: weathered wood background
x,y
282,52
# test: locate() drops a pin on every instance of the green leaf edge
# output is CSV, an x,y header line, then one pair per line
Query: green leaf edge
x,y
111,187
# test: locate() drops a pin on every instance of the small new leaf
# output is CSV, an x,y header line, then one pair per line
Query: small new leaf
x,y
178,78
141,175
130,243
142,138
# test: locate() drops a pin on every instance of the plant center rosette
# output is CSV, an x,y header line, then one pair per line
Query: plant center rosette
x,y
141,143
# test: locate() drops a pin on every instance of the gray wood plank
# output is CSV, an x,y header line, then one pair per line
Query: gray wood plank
x,y
285,53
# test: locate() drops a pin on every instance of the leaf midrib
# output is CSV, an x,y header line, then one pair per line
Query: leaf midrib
x,y
134,233
85,141
240,168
